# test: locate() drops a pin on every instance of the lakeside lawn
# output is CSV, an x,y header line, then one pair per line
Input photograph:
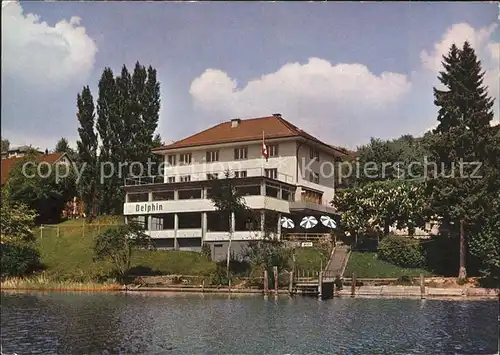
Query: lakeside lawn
x,y
66,252
366,265
69,254
311,259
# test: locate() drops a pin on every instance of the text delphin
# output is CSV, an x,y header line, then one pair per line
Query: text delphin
x,y
149,207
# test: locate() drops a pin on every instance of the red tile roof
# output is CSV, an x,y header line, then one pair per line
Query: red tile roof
x,y
8,164
273,126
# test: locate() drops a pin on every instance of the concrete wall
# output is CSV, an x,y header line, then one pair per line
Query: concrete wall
x,y
219,249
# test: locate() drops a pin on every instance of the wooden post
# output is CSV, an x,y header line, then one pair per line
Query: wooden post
x,y
266,283
41,231
334,289
353,285
229,284
320,285
290,284
57,231
422,286
203,286
275,271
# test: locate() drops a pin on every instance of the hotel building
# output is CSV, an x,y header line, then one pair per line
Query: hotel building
x,y
295,180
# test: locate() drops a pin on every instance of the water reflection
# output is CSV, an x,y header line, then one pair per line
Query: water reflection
x,y
83,323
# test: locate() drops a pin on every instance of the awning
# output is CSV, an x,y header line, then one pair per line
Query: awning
x,y
312,208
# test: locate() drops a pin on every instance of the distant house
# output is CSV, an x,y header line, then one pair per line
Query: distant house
x,y
53,158
74,207
19,152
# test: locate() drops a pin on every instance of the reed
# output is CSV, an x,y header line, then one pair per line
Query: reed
x,y
42,282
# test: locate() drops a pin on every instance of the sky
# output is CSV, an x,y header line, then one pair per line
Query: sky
x,y
344,72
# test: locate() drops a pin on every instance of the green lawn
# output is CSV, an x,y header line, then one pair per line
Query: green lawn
x,y
366,265
311,259
68,254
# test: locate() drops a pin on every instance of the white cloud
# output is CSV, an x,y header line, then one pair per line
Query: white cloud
x,y
43,68
313,94
41,55
344,103
486,49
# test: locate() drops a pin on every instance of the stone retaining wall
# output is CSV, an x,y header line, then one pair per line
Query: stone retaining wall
x,y
414,291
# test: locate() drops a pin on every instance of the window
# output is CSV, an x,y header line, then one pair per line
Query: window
x,y
185,158
314,154
272,150
272,191
314,177
163,195
185,178
171,179
311,196
171,160
189,220
253,190
240,174
212,176
286,195
212,156
140,220
162,222
241,153
217,222
138,197
189,194
271,173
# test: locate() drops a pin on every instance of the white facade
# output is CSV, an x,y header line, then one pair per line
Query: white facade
x,y
289,169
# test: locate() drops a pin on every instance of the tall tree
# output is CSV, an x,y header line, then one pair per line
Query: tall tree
x,y
462,135
107,120
87,150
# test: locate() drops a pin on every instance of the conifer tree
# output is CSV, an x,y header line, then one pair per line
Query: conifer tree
x,y
462,136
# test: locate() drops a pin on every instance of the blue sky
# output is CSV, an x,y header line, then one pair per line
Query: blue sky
x,y
342,71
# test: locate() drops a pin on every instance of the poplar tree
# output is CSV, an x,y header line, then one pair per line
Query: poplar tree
x,y
87,149
107,118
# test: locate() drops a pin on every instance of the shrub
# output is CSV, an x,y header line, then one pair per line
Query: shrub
x,y
18,260
401,251
206,251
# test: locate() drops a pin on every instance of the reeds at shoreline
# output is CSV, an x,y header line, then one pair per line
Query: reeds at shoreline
x,y
42,282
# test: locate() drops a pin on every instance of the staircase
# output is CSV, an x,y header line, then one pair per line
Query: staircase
x,y
338,261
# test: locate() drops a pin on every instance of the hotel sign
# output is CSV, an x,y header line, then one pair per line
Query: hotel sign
x,y
144,207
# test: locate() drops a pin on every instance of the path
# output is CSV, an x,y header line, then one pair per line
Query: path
x,y
337,262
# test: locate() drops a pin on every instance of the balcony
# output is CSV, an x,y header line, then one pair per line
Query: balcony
x,y
270,173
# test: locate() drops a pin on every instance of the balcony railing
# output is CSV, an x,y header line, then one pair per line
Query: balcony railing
x,y
204,176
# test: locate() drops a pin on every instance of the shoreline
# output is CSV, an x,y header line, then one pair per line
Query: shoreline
x,y
394,292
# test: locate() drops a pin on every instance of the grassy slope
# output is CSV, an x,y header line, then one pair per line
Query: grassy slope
x,y
311,258
69,255
366,264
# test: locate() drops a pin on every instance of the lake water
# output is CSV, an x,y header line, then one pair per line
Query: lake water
x,y
100,323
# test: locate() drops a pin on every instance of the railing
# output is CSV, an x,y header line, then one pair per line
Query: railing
x,y
305,237
184,170
144,180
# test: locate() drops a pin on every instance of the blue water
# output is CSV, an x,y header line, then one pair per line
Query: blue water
x,y
99,323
